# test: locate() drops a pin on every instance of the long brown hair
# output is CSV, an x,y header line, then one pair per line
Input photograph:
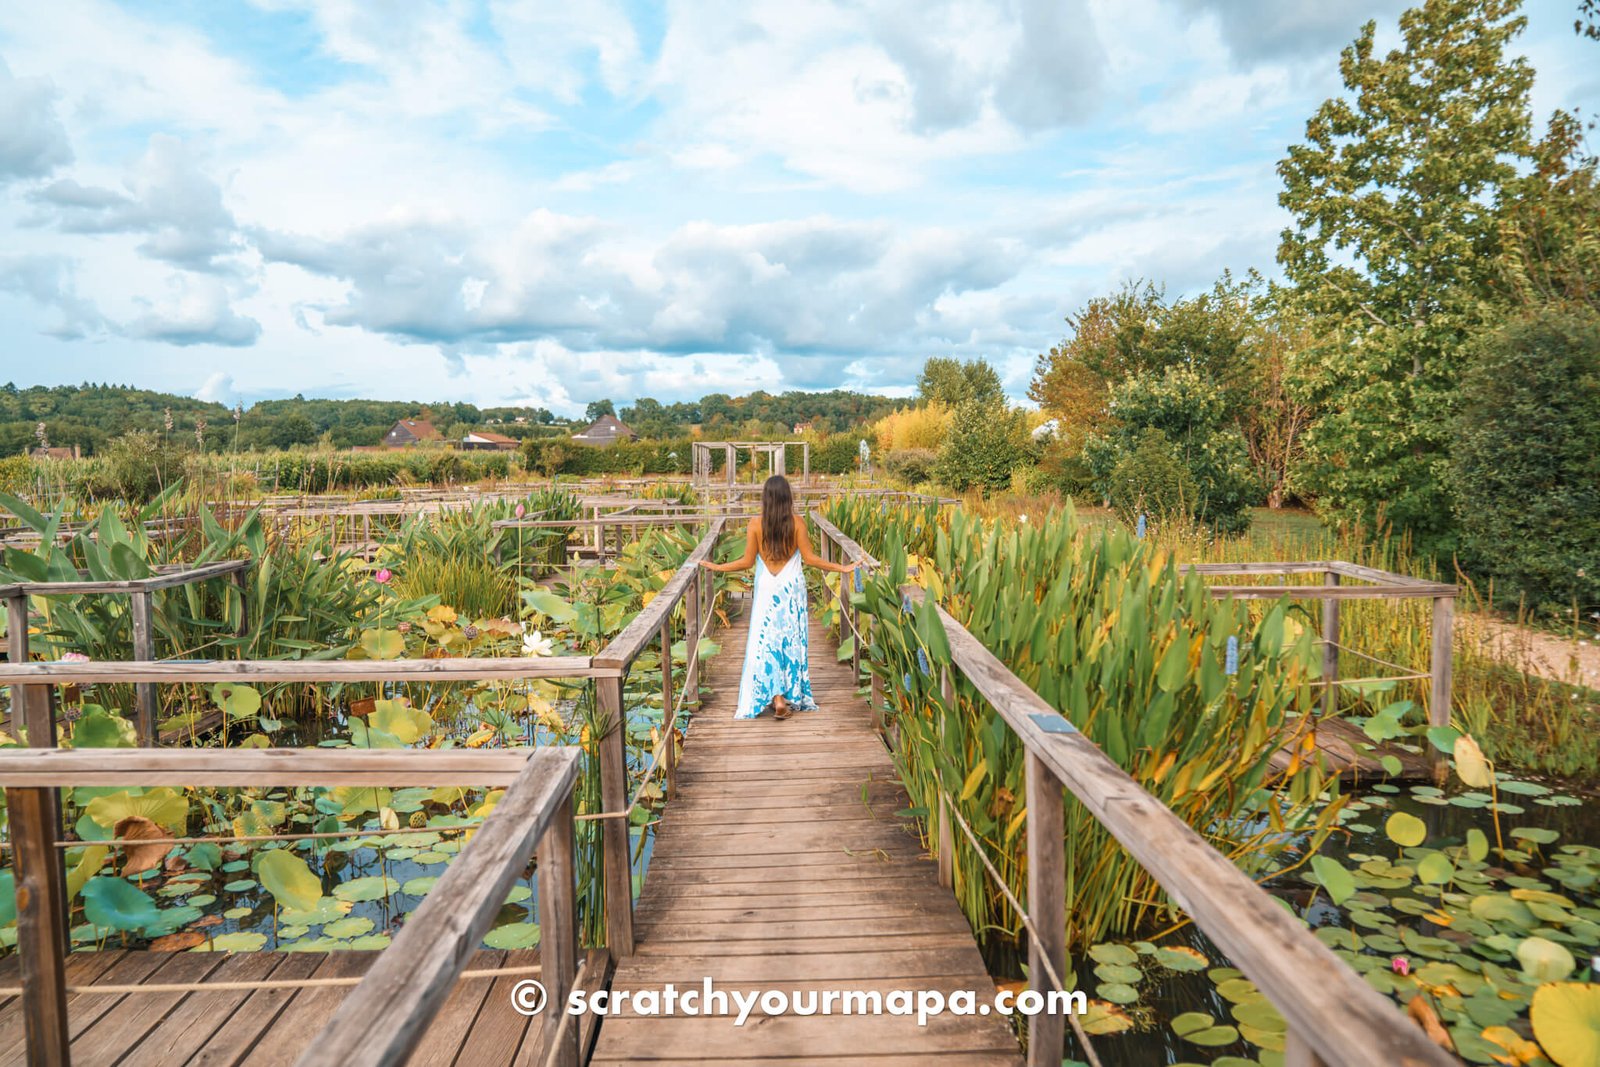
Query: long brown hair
x,y
778,540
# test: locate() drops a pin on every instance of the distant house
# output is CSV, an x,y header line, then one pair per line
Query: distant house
x,y
805,427
606,430
408,433
484,441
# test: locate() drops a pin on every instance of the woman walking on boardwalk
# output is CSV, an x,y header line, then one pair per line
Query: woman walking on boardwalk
x,y
776,671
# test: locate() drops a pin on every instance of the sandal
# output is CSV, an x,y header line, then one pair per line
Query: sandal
x,y
781,709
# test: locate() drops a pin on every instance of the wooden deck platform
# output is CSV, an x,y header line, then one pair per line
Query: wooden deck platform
x,y
781,866
263,1028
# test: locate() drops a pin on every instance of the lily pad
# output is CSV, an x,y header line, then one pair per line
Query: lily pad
x,y
1117,993
1117,954
513,935
1405,829
372,887
1566,1020
290,881
116,904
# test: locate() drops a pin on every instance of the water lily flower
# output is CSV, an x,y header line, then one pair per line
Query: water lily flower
x,y
403,627
383,576
519,511
1022,518
535,644
1400,965
74,657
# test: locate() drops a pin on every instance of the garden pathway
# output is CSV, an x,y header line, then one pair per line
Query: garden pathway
x,y
781,865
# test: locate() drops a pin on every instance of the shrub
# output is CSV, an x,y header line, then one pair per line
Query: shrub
x,y
1526,459
1190,414
986,442
1152,480
912,465
923,427
135,467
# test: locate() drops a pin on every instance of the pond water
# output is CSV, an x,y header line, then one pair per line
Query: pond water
x,y
1385,915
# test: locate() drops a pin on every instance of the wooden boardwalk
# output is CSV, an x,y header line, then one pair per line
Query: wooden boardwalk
x,y
264,1028
781,865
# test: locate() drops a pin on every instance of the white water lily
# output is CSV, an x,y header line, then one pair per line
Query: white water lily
x,y
536,645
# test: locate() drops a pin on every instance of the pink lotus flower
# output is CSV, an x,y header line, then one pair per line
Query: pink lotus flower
x,y
1400,965
74,657
404,627
519,511
383,576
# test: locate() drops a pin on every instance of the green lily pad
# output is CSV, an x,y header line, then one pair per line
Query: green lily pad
x,y
1405,829
1192,1022
1116,954
519,935
290,881
239,941
116,904
1214,1037
349,926
1117,993
372,887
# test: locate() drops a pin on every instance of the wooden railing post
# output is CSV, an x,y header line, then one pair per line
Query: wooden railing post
x,y
947,839
558,937
1330,650
1047,903
41,923
1297,1053
691,643
144,648
669,713
618,862
1444,617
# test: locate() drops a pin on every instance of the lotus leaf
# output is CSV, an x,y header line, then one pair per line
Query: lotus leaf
x,y
116,904
1566,1020
1543,960
289,879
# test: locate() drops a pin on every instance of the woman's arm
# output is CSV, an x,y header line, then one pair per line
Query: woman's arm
x,y
752,538
808,555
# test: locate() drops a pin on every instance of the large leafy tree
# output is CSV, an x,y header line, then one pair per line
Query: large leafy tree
x,y
1397,196
952,382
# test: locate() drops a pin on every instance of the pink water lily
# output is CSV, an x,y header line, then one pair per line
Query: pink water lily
x,y
520,511
1401,966
383,576
74,657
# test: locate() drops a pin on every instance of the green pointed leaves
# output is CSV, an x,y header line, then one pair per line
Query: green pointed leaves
x,y
1339,883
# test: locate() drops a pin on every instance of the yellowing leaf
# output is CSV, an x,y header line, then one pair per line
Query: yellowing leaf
x,y
1566,1020
1471,765
974,780
290,881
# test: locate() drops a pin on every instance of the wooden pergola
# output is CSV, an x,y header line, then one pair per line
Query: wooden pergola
x,y
776,452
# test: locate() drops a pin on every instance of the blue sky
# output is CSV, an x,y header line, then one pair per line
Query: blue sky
x,y
531,201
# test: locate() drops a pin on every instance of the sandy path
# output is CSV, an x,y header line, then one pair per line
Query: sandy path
x,y
1535,652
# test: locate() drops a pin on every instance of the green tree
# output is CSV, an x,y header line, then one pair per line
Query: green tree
x,y
1527,459
1189,414
1396,196
986,443
598,408
953,382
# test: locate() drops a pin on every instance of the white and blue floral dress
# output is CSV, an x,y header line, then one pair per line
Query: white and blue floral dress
x,y
777,654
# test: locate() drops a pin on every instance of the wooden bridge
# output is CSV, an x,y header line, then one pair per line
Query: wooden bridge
x,y
781,864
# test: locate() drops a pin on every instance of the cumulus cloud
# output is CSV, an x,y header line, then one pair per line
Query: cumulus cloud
x,y
197,311
168,199
50,281
816,286
216,389
1038,62
32,140
1259,31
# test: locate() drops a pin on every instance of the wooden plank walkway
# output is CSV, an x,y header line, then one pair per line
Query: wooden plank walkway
x,y
264,1028
781,866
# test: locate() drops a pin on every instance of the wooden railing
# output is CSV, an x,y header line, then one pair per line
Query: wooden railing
x,y
1334,1017
382,1020
34,710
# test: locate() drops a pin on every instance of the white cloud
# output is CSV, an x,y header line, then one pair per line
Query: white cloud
x,y
217,389
32,140
195,311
